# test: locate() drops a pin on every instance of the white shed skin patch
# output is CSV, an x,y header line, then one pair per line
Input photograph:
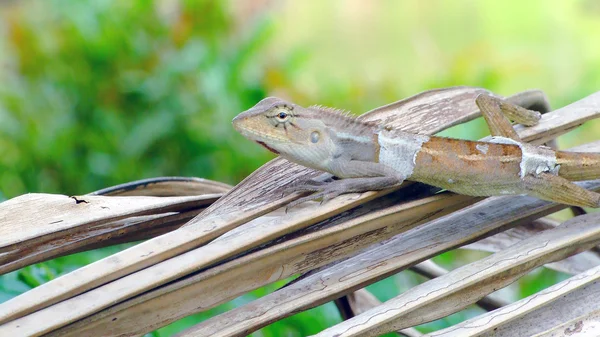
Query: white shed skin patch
x,y
483,148
535,160
399,150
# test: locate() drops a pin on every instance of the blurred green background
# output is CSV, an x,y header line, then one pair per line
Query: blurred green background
x,y
100,92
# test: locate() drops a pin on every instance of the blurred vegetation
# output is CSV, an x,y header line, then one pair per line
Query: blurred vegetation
x,y
104,92
100,92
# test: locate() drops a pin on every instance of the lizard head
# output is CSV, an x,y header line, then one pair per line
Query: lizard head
x,y
287,129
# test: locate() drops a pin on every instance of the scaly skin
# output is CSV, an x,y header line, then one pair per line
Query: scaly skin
x,y
371,157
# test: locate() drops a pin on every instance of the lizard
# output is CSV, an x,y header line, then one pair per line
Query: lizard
x,y
368,156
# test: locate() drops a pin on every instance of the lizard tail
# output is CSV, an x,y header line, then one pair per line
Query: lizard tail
x,y
577,166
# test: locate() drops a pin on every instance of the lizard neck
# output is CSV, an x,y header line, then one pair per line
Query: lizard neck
x,y
361,146
355,143
352,139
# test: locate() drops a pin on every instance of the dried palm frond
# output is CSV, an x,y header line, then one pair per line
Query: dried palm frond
x,y
246,240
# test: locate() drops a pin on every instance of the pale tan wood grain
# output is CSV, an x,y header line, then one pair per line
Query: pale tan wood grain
x,y
36,227
166,187
572,265
567,117
84,238
463,286
378,262
33,215
570,307
431,270
339,238
362,300
54,225
431,111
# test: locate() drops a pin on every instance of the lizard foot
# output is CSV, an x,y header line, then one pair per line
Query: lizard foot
x,y
307,185
329,190
325,195
302,186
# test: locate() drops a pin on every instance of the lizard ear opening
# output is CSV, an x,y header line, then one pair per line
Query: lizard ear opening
x,y
314,137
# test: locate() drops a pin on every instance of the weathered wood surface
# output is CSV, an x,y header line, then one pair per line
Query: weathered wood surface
x,y
568,117
362,300
249,200
399,253
431,270
449,107
569,308
37,215
36,227
166,187
463,286
315,248
431,239
572,265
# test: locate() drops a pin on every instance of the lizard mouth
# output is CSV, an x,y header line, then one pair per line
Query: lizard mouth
x,y
267,147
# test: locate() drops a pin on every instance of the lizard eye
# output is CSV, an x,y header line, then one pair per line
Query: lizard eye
x,y
282,116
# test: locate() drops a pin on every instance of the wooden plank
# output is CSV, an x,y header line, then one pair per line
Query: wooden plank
x,y
572,265
34,215
362,300
380,261
36,227
166,187
463,286
88,237
566,308
55,225
431,111
567,118
373,222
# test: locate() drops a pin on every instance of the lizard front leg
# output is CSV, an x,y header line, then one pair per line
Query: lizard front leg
x,y
361,177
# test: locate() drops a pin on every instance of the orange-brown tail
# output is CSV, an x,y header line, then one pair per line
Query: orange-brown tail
x,y
577,166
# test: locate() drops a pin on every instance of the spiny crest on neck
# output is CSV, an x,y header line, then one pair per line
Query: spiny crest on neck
x,y
343,120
